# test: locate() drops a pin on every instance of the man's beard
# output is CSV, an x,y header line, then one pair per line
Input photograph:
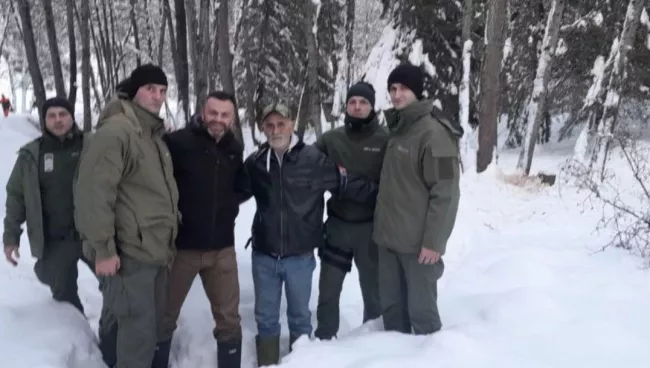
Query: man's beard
x,y
222,125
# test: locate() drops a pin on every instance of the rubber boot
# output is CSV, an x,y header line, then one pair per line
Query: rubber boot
x,y
161,356
292,339
229,354
268,350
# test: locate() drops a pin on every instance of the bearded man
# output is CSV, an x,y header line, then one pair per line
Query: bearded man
x,y
208,163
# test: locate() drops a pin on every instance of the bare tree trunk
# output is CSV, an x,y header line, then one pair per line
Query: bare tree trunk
x,y
193,43
12,85
149,31
310,106
85,63
343,77
31,52
100,42
491,84
226,59
161,42
349,38
136,36
50,27
202,53
115,47
5,28
537,104
72,45
167,18
183,69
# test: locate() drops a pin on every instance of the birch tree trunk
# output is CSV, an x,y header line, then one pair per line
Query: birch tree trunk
x,y
468,157
537,104
616,77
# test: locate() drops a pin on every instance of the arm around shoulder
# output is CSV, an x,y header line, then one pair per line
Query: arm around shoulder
x,y
243,188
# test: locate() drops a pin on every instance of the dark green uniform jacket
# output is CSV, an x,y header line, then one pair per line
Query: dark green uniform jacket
x,y
419,186
126,199
361,152
39,191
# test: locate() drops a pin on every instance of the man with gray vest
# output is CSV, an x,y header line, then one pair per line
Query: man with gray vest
x,y
416,206
39,193
359,146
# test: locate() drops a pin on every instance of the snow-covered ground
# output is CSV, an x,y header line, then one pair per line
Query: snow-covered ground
x,y
524,286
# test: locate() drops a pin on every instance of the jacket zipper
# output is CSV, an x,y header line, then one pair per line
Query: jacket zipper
x,y
280,161
214,200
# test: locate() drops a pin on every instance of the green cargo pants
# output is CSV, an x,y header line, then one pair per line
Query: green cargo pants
x,y
134,301
58,269
346,242
409,292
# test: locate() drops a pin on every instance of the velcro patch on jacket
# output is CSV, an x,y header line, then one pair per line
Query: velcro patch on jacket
x,y
447,168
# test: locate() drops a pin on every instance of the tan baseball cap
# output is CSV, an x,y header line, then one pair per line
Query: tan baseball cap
x,y
277,108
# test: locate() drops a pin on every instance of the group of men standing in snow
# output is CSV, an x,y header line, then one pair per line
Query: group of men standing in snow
x,y
148,210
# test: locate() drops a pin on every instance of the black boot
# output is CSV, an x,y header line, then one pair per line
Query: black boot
x,y
229,354
161,357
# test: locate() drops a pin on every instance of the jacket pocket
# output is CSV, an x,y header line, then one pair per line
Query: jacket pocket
x,y
127,229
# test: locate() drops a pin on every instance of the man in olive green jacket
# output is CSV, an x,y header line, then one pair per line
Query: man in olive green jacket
x,y
127,214
39,193
416,206
359,146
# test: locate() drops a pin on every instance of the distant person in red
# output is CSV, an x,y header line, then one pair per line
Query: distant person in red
x,y
6,105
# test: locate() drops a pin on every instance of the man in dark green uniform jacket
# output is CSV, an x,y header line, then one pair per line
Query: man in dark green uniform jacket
x,y
39,192
126,208
416,206
359,146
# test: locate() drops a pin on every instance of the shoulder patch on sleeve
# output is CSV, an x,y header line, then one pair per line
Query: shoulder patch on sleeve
x,y
447,167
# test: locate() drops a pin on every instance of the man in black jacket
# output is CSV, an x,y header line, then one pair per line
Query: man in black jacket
x,y
288,180
207,163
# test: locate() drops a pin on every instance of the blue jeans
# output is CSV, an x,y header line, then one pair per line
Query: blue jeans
x,y
269,274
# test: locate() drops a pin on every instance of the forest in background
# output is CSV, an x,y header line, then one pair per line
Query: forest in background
x,y
522,63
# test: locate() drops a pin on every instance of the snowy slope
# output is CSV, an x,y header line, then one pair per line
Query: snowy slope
x,y
523,287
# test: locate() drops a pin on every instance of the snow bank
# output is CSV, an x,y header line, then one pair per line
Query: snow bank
x,y
519,290
45,334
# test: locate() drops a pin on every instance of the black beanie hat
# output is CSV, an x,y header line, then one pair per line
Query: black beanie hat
x,y
57,102
409,75
362,89
143,75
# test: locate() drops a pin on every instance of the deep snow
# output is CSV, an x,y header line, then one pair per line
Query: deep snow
x,y
524,286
